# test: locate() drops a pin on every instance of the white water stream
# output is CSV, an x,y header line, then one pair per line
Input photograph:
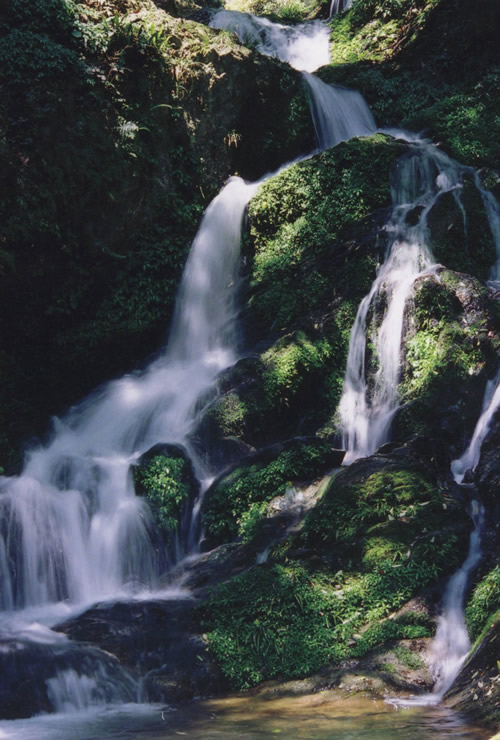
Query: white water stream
x,y
470,458
71,528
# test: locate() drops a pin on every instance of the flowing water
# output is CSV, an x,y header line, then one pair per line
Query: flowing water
x,y
370,396
304,47
470,458
338,6
72,530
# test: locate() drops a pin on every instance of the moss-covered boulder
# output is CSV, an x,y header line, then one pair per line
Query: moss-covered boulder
x,y
460,234
382,532
300,223
164,475
237,501
450,350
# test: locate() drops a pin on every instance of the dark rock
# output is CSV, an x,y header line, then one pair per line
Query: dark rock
x,y
159,640
32,677
476,690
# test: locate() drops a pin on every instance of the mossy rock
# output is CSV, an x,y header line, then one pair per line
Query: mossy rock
x,y
460,235
287,621
164,476
381,533
385,509
234,504
450,349
299,224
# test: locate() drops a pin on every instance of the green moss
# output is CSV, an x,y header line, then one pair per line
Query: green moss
x,y
375,513
285,11
483,605
164,481
288,621
445,357
408,658
233,505
380,526
372,29
296,219
461,236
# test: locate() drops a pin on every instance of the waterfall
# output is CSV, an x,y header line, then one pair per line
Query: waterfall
x,y
304,46
470,458
72,527
338,113
451,643
338,6
370,399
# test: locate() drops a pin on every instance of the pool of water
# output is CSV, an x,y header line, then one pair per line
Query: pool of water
x,y
315,717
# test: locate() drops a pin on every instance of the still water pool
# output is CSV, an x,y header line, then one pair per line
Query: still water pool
x,y
315,717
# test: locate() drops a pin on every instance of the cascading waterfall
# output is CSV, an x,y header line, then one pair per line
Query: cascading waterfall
x,y
304,47
451,643
470,458
338,6
72,528
338,113
370,399
72,525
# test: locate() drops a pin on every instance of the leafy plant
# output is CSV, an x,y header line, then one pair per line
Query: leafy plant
x,y
164,481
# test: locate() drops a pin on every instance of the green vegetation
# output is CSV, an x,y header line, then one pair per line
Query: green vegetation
x,y
378,531
235,504
448,349
117,125
166,483
427,65
462,239
296,217
373,29
483,606
370,515
281,11
288,621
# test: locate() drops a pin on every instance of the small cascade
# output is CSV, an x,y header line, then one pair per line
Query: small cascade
x,y
338,113
370,395
338,6
72,527
304,46
451,643
74,691
470,458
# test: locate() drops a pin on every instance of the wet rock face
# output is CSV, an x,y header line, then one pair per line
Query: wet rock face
x,y
158,641
37,678
487,475
450,348
476,690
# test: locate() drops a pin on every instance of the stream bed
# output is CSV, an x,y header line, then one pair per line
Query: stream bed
x,y
327,714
